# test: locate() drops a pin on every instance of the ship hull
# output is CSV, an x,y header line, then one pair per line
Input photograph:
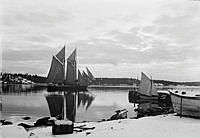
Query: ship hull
x,y
136,97
68,88
186,105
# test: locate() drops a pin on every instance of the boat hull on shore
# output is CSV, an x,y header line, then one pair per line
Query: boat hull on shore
x,y
163,97
136,97
73,88
186,105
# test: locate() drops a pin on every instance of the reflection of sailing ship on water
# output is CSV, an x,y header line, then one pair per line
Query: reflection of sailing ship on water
x,y
85,99
60,79
58,108
0,99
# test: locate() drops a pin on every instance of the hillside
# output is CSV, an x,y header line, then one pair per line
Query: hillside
x,y
13,77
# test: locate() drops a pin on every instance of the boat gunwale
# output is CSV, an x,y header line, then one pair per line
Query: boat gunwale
x,y
148,95
185,96
144,94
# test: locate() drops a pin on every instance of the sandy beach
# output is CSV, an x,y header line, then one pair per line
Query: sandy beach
x,y
162,126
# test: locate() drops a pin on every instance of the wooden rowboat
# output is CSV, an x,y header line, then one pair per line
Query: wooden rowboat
x,y
186,104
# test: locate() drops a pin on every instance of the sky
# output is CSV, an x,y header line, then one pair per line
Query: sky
x,y
114,38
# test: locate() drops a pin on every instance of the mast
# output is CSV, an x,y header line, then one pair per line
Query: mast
x,y
151,86
64,108
137,82
75,74
64,67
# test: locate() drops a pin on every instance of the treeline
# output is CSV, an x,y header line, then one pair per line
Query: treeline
x,y
115,81
98,81
132,81
34,78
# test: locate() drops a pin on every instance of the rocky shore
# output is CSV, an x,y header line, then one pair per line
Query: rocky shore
x,y
155,126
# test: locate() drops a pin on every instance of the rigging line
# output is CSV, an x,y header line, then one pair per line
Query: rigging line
x,y
58,60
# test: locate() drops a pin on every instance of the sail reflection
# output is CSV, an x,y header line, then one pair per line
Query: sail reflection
x,y
85,99
55,103
0,100
57,107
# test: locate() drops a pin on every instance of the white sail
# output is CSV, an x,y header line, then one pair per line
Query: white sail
x,y
90,74
71,76
56,72
146,86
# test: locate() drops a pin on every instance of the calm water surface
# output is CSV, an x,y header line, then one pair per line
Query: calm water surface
x,y
23,100
96,104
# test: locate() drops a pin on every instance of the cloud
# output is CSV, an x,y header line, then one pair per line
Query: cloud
x,y
25,55
120,38
35,61
118,50
25,23
30,66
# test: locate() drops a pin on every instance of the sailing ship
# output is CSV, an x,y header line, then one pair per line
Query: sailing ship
x,y
186,103
147,92
60,79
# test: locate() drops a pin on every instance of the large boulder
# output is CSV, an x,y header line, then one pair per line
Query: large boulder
x,y
62,127
5,122
26,118
45,121
120,114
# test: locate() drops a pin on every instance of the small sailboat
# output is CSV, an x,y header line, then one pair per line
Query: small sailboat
x,y
85,79
147,88
82,80
60,79
90,75
186,103
147,92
